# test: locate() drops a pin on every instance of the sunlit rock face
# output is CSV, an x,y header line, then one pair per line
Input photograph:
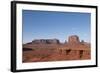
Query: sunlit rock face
x,y
73,39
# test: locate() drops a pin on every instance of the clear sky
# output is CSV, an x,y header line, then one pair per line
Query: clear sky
x,y
59,25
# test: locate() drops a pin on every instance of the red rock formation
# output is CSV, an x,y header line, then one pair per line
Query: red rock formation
x,y
52,50
73,39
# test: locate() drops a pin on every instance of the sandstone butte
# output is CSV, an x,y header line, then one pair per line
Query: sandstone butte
x,y
41,50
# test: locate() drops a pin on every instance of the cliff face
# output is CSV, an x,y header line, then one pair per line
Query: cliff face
x,y
73,39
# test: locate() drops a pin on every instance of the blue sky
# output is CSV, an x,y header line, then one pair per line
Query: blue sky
x,y
50,25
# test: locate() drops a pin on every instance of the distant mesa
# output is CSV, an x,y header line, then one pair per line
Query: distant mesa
x,y
45,41
73,39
